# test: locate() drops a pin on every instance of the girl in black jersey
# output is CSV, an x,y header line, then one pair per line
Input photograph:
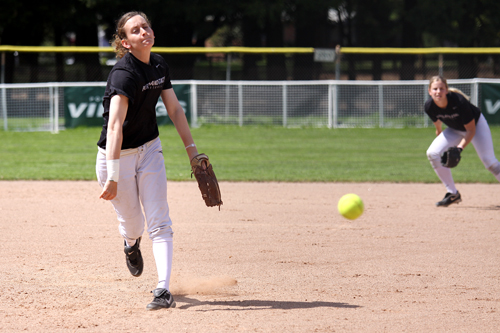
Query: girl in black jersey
x,y
130,165
465,124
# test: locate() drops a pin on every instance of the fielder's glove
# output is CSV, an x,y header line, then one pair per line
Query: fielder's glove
x,y
451,157
207,182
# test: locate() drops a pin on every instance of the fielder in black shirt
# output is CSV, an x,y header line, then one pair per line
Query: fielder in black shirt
x,y
465,124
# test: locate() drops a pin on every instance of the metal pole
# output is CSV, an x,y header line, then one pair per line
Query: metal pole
x,y
228,67
381,105
3,68
194,106
333,119
228,78
330,106
426,96
56,109
335,106
285,105
240,104
441,65
475,93
4,93
51,108
337,62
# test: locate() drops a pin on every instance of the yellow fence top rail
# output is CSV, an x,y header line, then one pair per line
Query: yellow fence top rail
x,y
428,50
242,49
94,49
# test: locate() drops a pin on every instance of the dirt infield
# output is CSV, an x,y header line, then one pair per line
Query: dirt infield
x,y
277,257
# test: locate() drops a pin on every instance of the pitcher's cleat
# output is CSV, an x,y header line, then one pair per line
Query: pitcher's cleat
x,y
449,199
163,300
133,257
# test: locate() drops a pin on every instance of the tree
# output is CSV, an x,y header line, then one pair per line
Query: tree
x,y
22,27
261,24
311,25
319,23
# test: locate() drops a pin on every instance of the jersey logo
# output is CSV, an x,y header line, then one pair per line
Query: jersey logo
x,y
154,84
445,116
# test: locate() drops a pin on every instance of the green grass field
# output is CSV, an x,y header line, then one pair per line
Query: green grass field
x,y
251,153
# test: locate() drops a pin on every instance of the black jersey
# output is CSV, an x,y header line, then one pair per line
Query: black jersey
x,y
142,84
457,113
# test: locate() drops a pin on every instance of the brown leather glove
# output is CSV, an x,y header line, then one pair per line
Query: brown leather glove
x,y
207,182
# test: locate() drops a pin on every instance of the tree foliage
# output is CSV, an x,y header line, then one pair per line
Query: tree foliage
x,y
254,23
377,23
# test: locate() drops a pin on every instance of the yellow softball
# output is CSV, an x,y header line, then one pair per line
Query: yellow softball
x,y
351,206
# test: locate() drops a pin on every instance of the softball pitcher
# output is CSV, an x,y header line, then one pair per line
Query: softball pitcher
x,y
465,124
130,165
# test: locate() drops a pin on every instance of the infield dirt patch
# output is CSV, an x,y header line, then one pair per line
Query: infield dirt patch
x,y
277,257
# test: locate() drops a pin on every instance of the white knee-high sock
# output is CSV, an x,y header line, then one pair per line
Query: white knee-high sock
x,y
162,251
131,243
495,170
446,178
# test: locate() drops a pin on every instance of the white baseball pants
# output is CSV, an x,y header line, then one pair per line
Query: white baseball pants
x,y
142,187
482,142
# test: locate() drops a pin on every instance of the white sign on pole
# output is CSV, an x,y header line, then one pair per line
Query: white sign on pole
x,y
324,55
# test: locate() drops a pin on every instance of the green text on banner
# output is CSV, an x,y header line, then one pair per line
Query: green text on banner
x,y
83,106
490,102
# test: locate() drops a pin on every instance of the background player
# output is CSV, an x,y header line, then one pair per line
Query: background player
x,y
130,165
465,124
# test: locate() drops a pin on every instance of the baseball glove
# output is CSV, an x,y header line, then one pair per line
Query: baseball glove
x,y
451,157
207,182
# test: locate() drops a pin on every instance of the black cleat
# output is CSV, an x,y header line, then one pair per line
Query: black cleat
x,y
163,300
449,199
133,257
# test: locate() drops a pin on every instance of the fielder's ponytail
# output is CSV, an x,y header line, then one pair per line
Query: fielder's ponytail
x,y
458,91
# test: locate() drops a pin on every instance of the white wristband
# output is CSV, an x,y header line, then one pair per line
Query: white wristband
x,y
191,145
113,169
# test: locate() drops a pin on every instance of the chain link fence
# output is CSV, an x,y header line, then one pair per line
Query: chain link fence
x,y
71,64
323,103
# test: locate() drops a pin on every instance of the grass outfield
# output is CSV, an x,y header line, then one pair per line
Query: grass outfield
x,y
251,153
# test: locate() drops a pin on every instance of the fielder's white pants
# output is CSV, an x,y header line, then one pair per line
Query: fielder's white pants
x,y
142,187
482,142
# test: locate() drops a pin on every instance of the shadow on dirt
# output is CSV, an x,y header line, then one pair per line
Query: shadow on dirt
x,y
258,304
482,207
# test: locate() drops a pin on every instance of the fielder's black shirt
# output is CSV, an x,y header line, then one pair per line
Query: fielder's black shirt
x,y
142,84
457,113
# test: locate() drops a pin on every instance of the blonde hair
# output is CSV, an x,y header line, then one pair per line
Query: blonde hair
x,y
120,34
438,78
